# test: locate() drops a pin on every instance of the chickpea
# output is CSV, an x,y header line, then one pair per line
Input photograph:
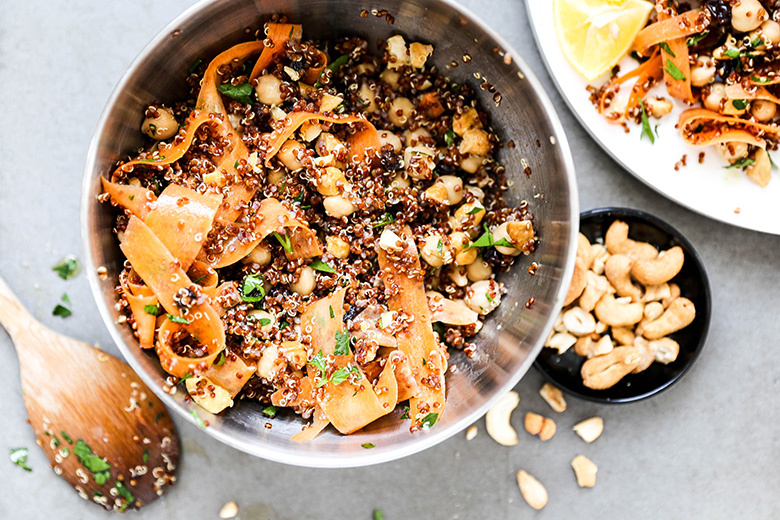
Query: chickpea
x,y
276,177
270,364
479,270
471,163
747,15
732,151
419,162
715,98
400,181
657,106
338,206
771,31
337,247
401,110
477,192
454,187
331,182
460,243
457,273
366,69
306,282
387,137
466,121
501,233
294,353
268,90
763,110
264,318
469,214
437,192
475,141
483,297
367,97
260,255
435,252
164,126
329,144
703,71
289,153
416,136
390,77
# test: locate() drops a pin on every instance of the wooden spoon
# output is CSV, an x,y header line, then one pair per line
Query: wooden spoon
x,y
101,427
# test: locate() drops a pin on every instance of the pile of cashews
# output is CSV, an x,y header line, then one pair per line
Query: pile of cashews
x,y
621,307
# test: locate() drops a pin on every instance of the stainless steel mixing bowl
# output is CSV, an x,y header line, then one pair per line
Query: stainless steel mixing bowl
x,y
512,336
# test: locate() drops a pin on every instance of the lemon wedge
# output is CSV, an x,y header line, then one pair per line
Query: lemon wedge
x,y
595,34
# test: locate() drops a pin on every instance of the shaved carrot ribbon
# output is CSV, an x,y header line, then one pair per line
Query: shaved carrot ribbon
x,y
361,143
231,375
278,34
161,272
313,73
679,26
417,341
701,127
353,403
647,74
133,198
737,91
139,296
675,56
272,217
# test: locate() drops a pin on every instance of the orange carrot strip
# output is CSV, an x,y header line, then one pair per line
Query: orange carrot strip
x,y
737,91
133,198
701,127
406,292
278,34
676,58
691,22
647,73
313,74
163,275
145,323
231,375
181,219
203,275
314,429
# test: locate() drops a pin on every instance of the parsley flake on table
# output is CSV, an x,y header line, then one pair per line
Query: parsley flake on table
x,y
378,515
67,268
19,457
63,309
367,445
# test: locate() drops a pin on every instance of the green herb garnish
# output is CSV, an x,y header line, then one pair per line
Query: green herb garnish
x,y
284,325
270,411
186,376
387,218
731,53
759,80
197,418
285,241
665,47
378,515
486,240
693,40
66,437
67,268
745,161
757,42
646,131
124,493
154,310
637,57
241,93
338,62
146,456
739,104
406,412
673,71
367,445
342,343
319,362
476,209
220,359
99,467
449,137
440,247
264,322
429,420
178,319
341,375
319,265
19,457
194,67
252,289
62,309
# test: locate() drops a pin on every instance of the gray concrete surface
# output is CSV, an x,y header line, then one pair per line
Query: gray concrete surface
x,y
707,448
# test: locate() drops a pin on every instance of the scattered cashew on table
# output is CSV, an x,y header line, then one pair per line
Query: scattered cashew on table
x,y
621,307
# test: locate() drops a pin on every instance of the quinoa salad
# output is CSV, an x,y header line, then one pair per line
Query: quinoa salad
x,y
313,228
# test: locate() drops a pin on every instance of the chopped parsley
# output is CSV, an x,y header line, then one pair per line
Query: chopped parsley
x,y
693,40
378,515
341,375
99,467
367,445
338,62
668,50
63,309
739,104
673,71
476,209
449,137
186,376
406,412
342,343
264,322
284,325
178,319
757,42
319,265
270,411
731,53
194,67
241,93
285,241
67,268
332,314
742,163
252,289
759,80
646,131
146,456
486,240
66,437
124,493
637,57
429,420
440,247
19,457
387,218
197,418
220,359
154,310
319,362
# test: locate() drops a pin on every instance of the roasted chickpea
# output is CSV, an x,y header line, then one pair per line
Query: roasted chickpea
x,y
715,98
479,270
338,206
500,233
331,182
269,90
416,136
390,77
471,163
475,141
288,154
306,282
703,71
733,151
763,110
483,297
337,247
164,126
264,318
388,137
367,97
260,255
435,252
401,110
747,15
460,243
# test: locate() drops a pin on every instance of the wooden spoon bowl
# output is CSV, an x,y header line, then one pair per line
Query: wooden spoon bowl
x,y
103,430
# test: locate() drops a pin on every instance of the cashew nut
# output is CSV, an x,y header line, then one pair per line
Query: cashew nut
x,y
600,257
472,432
596,287
229,510
535,424
617,242
589,429
561,342
656,292
653,310
654,271
680,314
554,397
586,347
618,272
579,322
647,350
667,350
532,490
584,251
585,471
674,293
578,282
623,335
497,420
602,372
617,314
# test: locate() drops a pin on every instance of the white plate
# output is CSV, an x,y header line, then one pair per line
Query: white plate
x,y
707,188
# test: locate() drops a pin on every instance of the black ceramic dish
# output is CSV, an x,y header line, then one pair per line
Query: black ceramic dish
x,y
563,370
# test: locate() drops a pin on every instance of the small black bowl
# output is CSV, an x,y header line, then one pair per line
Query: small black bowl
x,y
563,370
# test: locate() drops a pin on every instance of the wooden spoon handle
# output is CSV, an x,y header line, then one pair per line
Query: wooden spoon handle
x,y
13,316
